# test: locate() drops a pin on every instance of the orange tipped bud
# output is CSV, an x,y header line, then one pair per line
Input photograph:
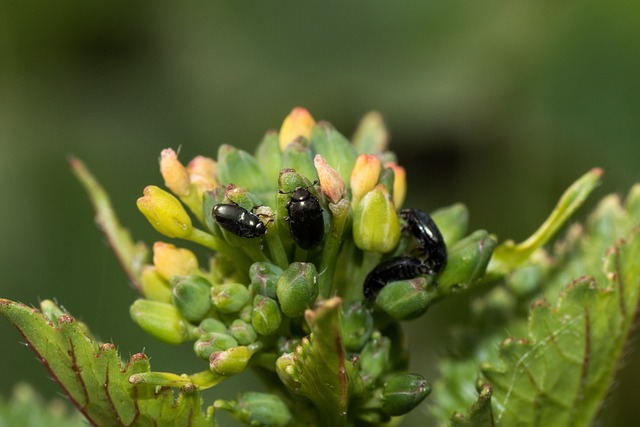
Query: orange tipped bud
x,y
364,176
399,183
175,175
202,173
331,183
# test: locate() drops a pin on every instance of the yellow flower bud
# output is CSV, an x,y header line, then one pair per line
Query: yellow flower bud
x,y
164,212
298,123
175,175
331,183
364,176
376,226
202,173
399,183
154,286
172,261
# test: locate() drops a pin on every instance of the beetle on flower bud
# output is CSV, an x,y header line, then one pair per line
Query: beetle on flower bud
x,y
306,223
238,220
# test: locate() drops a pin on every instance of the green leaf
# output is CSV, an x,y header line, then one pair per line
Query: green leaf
x,y
559,372
131,255
94,378
319,369
480,414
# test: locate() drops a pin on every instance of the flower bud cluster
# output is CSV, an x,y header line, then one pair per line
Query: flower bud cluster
x,y
310,216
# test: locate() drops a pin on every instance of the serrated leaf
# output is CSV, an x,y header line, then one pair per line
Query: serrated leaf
x,y
560,372
94,378
480,414
322,372
131,255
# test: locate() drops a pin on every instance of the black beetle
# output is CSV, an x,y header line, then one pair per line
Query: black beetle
x,y
394,269
238,220
306,223
429,238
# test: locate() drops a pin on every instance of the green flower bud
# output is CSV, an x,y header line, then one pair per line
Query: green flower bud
x,y
452,222
230,297
153,286
164,212
288,372
257,409
371,136
374,359
209,200
357,326
240,168
243,332
266,316
51,311
264,278
403,392
191,296
269,157
298,156
213,342
334,148
161,320
405,299
376,226
467,261
231,361
297,288
212,325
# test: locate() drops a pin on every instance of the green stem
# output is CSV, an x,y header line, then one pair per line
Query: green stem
x,y
369,262
340,212
276,248
240,259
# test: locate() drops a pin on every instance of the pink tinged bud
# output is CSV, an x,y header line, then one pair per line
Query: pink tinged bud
x,y
376,226
202,173
164,212
365,175
399,183
175,175
171,261
298,123
331,183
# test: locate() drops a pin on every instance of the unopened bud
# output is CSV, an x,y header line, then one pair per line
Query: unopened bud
x,y
452,222
297,288
403,392
202,173
212,325
243,332
160,320
376,226
334,148
405,299
191,296
332,185
371,136
364,176
297,124
264,278
299,157
175,175
164,212
374,359
357,326
399,183
172,261
213,342
266,316
153,286
467,261
240,168
231,361
230,297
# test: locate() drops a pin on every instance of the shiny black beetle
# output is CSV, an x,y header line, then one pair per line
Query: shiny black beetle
x,y
394,269
429,238
306,223
238,220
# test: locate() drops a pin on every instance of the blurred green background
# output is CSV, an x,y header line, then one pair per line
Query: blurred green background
x,y
496,104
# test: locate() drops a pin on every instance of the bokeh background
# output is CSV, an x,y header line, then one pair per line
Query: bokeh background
x,y
497,104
